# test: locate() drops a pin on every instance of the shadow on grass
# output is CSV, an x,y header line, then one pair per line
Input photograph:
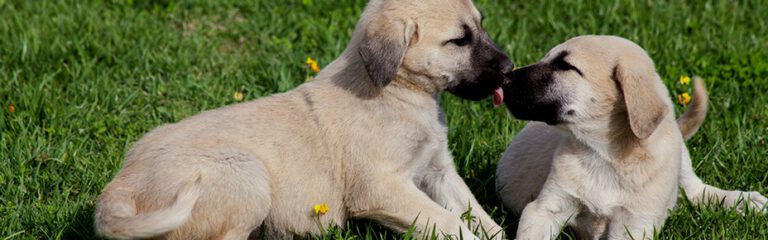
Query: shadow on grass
x,y
81,221
81,225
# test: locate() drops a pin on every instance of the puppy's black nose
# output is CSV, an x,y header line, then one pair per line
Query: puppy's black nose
x,y
507,66
510,75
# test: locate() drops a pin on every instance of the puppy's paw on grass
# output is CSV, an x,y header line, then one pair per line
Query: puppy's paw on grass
x,y
746,201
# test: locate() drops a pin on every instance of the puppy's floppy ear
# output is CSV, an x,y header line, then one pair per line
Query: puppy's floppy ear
x,y
645,106
383,48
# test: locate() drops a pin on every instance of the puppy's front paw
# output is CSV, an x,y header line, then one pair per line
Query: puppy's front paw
x,y
755,200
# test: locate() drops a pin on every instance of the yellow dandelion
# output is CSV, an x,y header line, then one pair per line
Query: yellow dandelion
x,y
321,209
238,96
685,80
11,108
684,98
312,65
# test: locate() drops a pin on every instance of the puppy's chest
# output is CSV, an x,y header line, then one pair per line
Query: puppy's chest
x,y
417,142
418,136
599,188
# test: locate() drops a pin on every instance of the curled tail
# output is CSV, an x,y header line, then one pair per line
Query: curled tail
x,y
691,120
116,216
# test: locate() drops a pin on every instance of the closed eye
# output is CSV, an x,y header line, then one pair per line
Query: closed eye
x,y
559,63
464,40
461,41
565,66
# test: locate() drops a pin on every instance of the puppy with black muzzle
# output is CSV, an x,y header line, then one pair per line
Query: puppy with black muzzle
x,y
365,137
605,154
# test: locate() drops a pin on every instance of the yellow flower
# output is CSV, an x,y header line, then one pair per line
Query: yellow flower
x,y
321,209
685,80
312,65
238,96
684,98
11,108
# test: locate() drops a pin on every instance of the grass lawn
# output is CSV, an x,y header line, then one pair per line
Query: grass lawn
x,y
87,78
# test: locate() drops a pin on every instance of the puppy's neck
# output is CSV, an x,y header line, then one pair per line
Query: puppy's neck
x,y
349,73
610,140
415,85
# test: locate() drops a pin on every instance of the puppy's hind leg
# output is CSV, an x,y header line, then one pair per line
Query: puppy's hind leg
x,y
237,196
699,192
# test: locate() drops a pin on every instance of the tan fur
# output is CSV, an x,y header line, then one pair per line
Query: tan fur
x,y
612,168
692,119
367,149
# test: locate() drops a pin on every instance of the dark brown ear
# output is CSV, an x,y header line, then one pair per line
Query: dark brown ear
x,y
645,105
383,48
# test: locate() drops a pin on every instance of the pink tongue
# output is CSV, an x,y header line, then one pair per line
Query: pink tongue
x,y
498,97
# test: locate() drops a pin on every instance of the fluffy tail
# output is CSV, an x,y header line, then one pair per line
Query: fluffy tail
x,y
691,120
116,216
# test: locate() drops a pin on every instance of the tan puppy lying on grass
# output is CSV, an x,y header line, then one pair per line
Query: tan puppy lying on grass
x,y
365,137
610,156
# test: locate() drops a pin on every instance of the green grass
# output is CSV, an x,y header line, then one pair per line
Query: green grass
x,y
88,78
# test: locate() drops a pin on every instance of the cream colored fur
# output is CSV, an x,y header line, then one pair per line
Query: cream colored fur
x,y
367,149
613,167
